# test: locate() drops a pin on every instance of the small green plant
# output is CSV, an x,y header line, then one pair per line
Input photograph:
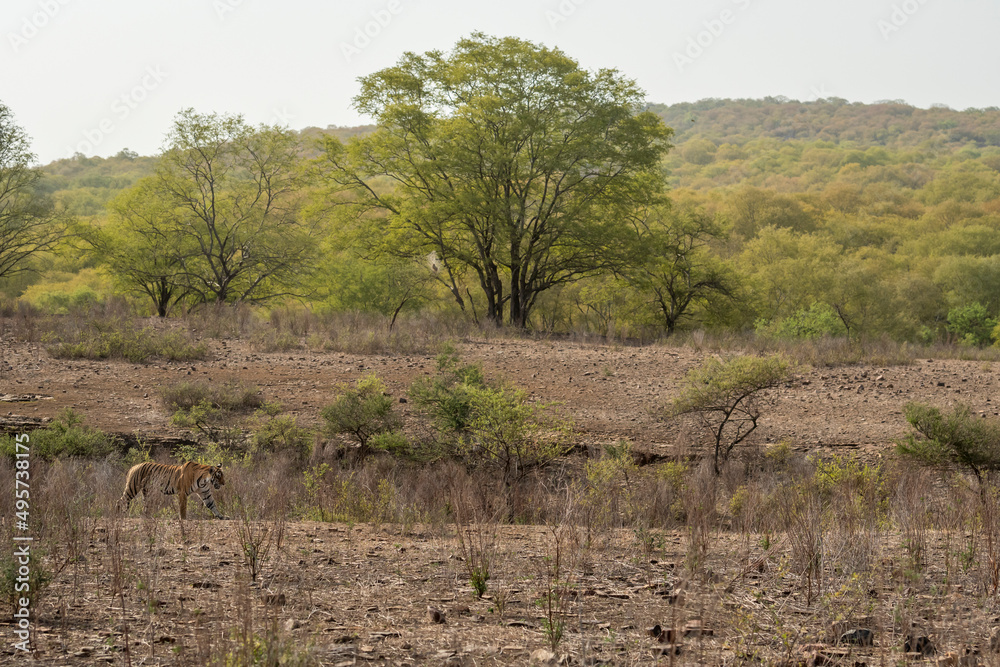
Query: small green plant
x,y
120,339
972,325
273,432
729,397
446,396
64,436
363,412
559,584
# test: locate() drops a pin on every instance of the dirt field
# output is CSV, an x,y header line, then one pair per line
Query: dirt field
x,y
362,594
610,392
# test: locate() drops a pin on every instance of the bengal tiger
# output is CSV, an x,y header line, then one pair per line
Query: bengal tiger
x,y
183,480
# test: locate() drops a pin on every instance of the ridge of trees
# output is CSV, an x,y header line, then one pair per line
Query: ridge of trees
x,y
791,218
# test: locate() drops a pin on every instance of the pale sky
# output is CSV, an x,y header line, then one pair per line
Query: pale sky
x,y
96,76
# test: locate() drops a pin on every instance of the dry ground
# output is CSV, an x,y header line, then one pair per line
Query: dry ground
x,y
360,594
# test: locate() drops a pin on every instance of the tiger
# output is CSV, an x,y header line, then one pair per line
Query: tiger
x,y
184,480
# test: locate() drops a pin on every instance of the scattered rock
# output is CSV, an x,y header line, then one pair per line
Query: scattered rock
x,y
542,657
435,615
292,624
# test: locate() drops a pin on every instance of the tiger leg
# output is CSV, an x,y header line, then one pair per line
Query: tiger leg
x,y
206,497
182,499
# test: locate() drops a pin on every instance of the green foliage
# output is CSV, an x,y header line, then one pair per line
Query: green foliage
x,y
27,224
728,397
959,438
393,443
120,339
218,221
972,324
231,396
817,321
510,436
217,411
512,166
279,433
446,397
674,269
363,412
64,436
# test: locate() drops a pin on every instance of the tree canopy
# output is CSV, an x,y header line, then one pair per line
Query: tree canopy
x,y
27,224
219,220
503,160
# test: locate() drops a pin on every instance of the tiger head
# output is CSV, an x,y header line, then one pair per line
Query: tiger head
x,y
216,477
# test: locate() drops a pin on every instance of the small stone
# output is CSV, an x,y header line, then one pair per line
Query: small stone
x,y
436,615
542,657
292,624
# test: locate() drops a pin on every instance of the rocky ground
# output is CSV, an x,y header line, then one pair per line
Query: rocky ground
x,y
610,392
366,594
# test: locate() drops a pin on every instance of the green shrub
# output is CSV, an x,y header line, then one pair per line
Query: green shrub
x,y
818,320
120,339
218,425
447,396
956,439
972,325
233,396
728,398
510,436
281,433
64,436
362,412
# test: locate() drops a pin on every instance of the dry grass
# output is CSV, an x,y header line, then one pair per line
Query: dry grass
x,y
770,556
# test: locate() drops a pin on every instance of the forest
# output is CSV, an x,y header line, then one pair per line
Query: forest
x,y
775,217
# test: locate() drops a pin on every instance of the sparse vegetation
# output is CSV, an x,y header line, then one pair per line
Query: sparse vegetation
x,y
363,412
825,234
122,340
728,398
66,436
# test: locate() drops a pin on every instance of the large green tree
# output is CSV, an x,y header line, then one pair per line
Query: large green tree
x,y
140,247
504,161
680,273
27,224
220,219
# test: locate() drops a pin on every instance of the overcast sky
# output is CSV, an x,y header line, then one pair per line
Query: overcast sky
x,y
96,76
